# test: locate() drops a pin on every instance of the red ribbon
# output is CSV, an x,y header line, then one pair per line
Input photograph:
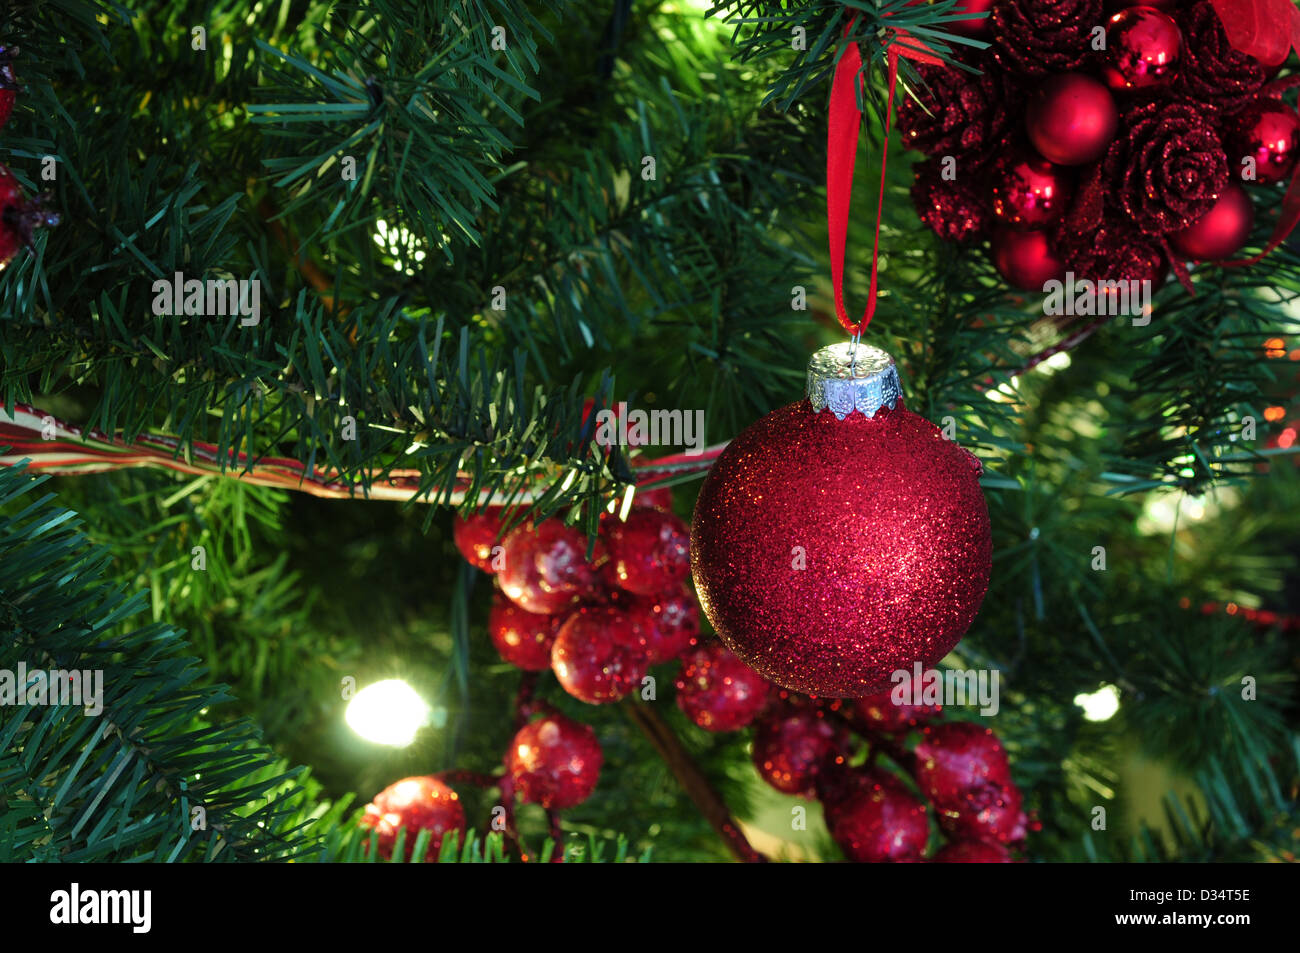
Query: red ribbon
x,y
1264,29
841,153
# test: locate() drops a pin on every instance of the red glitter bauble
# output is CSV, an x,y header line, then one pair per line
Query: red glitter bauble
x,y
973,852
648,551
880,713
1028,191
597,657
877,820
793,747
545,568
1025,258
477,535
718,691
1221,231
1267,131
1071,119
830,553
554,761
669,623
416,804
1143,49
522,638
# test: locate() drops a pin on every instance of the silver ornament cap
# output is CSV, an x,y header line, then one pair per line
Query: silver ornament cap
x,y
848,377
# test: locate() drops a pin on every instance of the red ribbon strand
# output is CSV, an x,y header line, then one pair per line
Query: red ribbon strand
x,y
842,132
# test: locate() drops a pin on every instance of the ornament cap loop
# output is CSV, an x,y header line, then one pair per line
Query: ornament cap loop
x,y
852,376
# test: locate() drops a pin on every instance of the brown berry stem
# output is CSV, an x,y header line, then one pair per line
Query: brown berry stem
x,y
692,780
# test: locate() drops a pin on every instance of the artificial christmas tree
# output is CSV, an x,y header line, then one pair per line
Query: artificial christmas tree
x,y
395,360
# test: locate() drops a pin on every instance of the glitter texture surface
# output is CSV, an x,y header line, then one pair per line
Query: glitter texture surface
x,y
830,553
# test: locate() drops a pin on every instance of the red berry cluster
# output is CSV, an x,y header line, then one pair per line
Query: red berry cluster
x,y
804,747
598,623
19,216
1112,164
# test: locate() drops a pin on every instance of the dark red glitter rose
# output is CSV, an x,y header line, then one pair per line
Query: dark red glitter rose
x,y
1038,37
1114,252
1214,75
958,113
954,209
1166,167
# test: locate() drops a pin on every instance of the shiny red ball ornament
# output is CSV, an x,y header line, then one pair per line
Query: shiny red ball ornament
x,y
1029,192
554,761
718,691
19,217
597,656
842,538
649,551
880,714
1220,232
1071,119
670,623
544,568
973,852
477,536
1144,48
792,748
522,638
877,820
1268,133
1025,257
416,804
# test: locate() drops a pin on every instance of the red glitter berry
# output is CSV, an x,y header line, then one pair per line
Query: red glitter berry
x,y
477,536
597,656
669,623
883,715
963,769
955,757
875,819
793,748
544,567
523,638
554,761
415,804
650,551
718,691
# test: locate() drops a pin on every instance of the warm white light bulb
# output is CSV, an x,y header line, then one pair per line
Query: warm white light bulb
x,y
387,713
1100,705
